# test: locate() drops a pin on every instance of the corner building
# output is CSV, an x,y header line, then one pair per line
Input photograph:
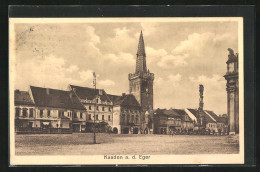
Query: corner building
x,y
141,83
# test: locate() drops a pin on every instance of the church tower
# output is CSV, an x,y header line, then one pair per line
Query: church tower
x,y
141,81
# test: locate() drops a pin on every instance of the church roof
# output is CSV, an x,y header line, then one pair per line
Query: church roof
x,y
113,97
141,57
90,93
141,48
126,100
22,98
46,97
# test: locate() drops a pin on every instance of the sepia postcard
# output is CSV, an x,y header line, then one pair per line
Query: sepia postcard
x,y
111,91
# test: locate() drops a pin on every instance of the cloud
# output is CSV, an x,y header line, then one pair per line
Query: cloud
x,y
214,91
196,47
106,82
164,59
149,28
86,75
120,58
72,68
50,72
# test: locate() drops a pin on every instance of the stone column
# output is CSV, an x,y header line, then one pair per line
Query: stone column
x,y
237,110
231,111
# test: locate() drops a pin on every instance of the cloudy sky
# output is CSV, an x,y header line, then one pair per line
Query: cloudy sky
x,y
182,55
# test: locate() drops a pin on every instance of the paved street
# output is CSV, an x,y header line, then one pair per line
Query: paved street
x,y
81,144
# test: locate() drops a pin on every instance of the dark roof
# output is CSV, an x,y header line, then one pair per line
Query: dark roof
x,y
126,100
207,118
22,98
182,114
113,97
55,98
165,112
194,112
223,119
218,118
89,93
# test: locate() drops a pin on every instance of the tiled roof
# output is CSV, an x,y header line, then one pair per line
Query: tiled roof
x,y
165,112
22,98
89,93
217,118
223,119
194,112
113,97
206,117
55,98
182,114
126,100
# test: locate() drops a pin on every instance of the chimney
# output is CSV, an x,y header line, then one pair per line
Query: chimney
x,y
74,89
123,94
70,94
47,91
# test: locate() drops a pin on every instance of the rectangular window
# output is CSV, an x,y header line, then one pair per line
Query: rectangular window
x,y
103,108
97,108
62,113
41,113
97,100
89,116
132,118
81,115
96,117
48,113
17,112
109,118
75,114
31,112
103,117
24,112
89,107
109,109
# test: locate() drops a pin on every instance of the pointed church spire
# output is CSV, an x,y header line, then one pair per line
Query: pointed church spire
x,y
141,56
141,50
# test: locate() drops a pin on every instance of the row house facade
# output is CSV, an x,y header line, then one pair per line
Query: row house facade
x,y
51,111
211,123
166,121
127,114
24,110
95,101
